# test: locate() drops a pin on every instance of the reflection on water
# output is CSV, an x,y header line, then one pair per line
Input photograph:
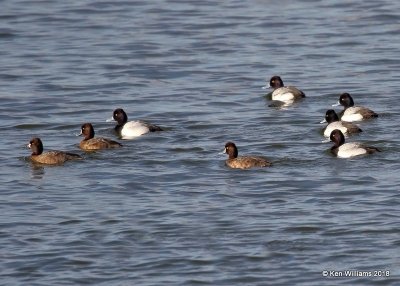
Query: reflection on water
x,y
37,171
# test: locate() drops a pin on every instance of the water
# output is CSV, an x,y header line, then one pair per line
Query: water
x,y
164,210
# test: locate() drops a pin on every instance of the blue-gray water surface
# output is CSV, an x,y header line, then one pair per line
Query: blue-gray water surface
x,y
164,209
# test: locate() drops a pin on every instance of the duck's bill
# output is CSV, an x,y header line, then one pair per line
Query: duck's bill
x,y
110,119
265,86
323,121
326,141
336,104
78,134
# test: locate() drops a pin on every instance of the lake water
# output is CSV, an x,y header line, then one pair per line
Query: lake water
x,y
164,209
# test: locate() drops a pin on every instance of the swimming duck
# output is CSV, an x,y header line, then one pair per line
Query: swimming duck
x,y
287,94
333,121
353,113
242,162
348,150
49,157
89,143
131,129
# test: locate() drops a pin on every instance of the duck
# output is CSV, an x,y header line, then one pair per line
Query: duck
x,y
348,150
287,94
353,113
89,143
131,129
49,157
243,162
333,121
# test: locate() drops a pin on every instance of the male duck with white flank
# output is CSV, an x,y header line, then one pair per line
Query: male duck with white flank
x,y
333,121
348,150
131,129
286,94
353,113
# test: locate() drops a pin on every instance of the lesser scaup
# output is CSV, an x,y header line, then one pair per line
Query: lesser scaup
x,y
333,121
287,94
131,129
242,162
91,143
49,157
348,150
353,113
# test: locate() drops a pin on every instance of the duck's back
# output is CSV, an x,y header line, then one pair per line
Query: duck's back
x,y
54,157
98,143
245,162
